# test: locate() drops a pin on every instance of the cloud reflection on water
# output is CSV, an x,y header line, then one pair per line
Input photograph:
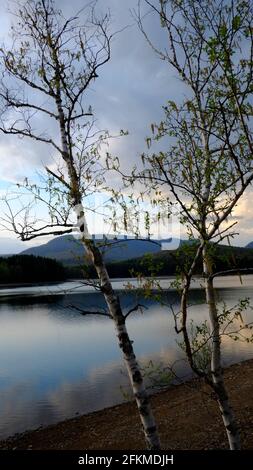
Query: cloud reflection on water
x,y
54,363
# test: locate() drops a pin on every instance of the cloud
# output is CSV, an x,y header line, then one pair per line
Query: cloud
x,y
19,159
244,214
128,94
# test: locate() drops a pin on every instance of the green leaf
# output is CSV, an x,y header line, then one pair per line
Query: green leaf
x,y
223,30
236,22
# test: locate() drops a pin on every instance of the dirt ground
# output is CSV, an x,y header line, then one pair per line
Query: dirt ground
x,y
187,418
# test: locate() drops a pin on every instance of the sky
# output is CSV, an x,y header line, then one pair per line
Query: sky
x,y
129,94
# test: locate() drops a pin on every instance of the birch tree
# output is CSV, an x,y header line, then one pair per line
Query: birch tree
x,y
207,134
47,72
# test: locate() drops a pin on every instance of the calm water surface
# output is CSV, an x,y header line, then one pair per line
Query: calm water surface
x,y
55,363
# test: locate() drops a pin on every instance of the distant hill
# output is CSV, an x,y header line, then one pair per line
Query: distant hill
x,y
70,251
250,245
125,258
166,263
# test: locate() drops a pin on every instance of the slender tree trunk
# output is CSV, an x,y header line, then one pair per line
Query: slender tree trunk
x,y
216,369
125,344
112,300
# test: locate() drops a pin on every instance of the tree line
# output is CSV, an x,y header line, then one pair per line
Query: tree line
x,y
29,269
169,263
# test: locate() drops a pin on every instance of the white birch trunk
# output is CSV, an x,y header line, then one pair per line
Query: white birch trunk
x,y
125,344
216,369
112,300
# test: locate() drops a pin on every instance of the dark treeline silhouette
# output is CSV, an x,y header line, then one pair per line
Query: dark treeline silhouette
x,y
30,268
24,268
168,263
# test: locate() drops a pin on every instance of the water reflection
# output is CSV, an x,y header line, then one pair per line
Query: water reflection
x,y
55,363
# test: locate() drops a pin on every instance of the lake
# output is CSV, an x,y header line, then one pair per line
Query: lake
x,y
56,363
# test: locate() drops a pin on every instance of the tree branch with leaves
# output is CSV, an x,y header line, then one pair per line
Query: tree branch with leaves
x,y
207,165
47,72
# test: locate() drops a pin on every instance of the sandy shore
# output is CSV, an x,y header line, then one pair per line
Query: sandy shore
x,y
186,414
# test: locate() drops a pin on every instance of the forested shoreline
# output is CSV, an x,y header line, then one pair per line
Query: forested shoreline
x,y
30,269
19,269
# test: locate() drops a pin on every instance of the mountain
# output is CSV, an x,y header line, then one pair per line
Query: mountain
x,y
166,263
250,245
70,251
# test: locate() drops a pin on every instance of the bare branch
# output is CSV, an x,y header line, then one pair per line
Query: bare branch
x,y
135,309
